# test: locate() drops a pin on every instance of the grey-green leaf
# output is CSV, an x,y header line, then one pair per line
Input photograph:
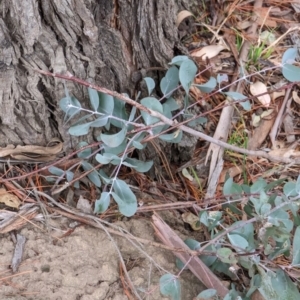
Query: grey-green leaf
x,y
80,129
238,96
132,114
296,247
119,112
106,158
84,153
153,104
238,241
289,56
70,111
178,60
170,286
100,122
106,104
94,98
207,294
172,104
150,84
101,205
170,82
226,255
140,166
291,73
125,198
104,177
174,137
187,72
115,150
207,87
138,145
114,140
93,176
56,171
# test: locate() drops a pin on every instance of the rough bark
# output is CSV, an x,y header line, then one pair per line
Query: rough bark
x,y
103,41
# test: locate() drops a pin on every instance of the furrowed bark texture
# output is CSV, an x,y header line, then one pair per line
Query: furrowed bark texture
x,y
103,41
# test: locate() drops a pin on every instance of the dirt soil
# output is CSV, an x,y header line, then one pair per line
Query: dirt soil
x,y
85,264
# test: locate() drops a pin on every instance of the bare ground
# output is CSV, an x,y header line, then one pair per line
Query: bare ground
x,y
85,265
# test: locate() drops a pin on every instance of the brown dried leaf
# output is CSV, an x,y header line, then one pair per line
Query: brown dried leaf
x,y
8,200
192,220
208,51
32,152
262,131
258,88
182,15
296,98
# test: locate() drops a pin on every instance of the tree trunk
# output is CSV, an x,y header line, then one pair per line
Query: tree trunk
x,y
105,42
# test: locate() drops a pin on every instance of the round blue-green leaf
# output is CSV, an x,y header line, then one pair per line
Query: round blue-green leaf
x,y
170,286
84,153
238,241
296,247
114,140
174,137
64,104
138,145
238,96
177,60
104,177
154,104
192,244
132,114
291,73
226,255
207,294
150,84
106,104
246,231
59,172
228,186
258,186
115,150
100,122
80,129
170,82
289,56
69,176
222,78
106,158
172,104
125,198
94,98
92,176
56,171
187,72
101,205
119,112
199,120
207,87
126,208
140,166
289,189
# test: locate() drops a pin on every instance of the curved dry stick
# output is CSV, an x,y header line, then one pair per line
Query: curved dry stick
x,y
166,120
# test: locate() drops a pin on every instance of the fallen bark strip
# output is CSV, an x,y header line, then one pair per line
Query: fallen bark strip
x,y
194,263
216,151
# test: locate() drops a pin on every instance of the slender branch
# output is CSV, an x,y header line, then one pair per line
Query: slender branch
x,y
166,120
